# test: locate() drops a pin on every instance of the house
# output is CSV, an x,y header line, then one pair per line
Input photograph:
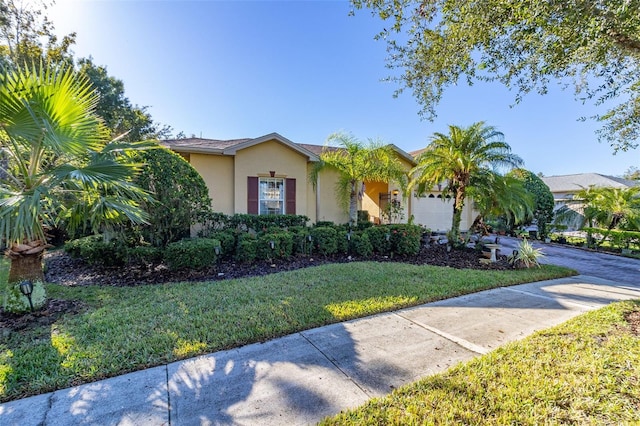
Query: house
x,y
564,187
270,174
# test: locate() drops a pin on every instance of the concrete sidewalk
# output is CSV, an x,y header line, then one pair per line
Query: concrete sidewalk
x,y
301,378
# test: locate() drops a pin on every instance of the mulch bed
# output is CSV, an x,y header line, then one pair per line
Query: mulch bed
x,y
64,270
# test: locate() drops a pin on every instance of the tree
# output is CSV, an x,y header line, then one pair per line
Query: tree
x,y
501,196
23,27
119,115
464,159
632,173
59,164
357,163
609,208
542,198
524,44
22,31
181,196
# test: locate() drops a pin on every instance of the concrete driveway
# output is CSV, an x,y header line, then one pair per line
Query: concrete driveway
x,y
586,262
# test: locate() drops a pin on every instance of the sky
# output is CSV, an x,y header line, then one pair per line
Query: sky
x,y
306,69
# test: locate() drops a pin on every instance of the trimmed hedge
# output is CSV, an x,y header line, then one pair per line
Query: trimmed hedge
x,y
191,253
324,240
619,239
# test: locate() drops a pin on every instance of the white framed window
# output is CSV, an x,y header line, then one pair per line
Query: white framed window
x,y
271,196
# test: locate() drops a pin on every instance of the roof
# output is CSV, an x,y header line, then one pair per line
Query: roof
x,y
232,146
574,183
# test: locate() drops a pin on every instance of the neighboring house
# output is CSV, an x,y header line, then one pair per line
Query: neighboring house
x,y
270,174
564,187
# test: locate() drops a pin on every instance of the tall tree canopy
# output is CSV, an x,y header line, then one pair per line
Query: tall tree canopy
x,y
357,163
524,44
542,198
27,38
463,159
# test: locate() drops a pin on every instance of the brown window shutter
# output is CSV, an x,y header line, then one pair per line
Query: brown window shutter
x,y
290,196
252,195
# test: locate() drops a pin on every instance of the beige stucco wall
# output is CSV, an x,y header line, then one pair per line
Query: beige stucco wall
x,y
217,173
259,160
436,213
329,209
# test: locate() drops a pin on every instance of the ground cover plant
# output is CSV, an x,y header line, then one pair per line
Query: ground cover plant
x,y
110,330
585,371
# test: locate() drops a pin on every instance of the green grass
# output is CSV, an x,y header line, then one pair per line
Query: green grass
x,y
126,329
586,371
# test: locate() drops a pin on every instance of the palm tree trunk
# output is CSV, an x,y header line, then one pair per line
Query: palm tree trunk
x,y
26,267
26,261
458,205
353,205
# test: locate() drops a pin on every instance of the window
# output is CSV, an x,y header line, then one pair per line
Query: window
x,y
271,196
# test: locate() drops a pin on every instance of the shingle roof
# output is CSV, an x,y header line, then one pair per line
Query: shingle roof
x,y
573,183
202,143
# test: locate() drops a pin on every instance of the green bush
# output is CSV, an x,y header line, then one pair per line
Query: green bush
x,y
324,223
282,245
191,253
144,255
228,243
360,244
324,240
246,248
181,194
260,223
213,222
405,239
17,303
379,238
94,250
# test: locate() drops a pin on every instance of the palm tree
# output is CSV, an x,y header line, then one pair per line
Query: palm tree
x,y
609,208
57,165
463,159
357,163
501,196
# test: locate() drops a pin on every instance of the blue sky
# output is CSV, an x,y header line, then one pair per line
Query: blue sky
x,y
306,69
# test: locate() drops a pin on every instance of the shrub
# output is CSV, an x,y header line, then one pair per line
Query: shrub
x,y
144,255
258,223
191,253
246,248
324,240
405,239
360,244
525,256
212,222
17,303
96,251
227,240
280,249
379,238
181,194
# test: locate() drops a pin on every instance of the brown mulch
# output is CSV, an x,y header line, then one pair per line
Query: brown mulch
x,y
634,322
64,270
48,315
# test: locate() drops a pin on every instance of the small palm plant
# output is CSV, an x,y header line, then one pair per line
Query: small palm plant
x,y
525,256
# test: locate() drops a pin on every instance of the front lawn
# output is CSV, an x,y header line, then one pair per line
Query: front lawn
x,y
122,329
585,371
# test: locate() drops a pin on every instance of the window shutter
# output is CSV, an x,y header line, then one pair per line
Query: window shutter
x,y
252,195
290,196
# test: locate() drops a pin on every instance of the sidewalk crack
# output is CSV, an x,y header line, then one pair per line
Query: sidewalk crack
x,y
455,339
337,366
